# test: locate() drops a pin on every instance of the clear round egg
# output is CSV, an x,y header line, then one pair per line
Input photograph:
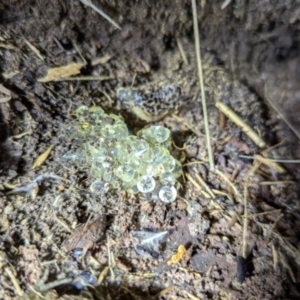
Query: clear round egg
x,y
146,184
121,130
125,172
82,113
99,187
155,134
167,178
167,194
96,114
161,134
140,147
167,162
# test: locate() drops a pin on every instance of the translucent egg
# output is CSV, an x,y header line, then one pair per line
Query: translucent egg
x,y
134,161
82,113
161,134
154,169
167,194
146,184
167,162
117,119
148,156
96,171
96,114
125,172
107,132
99,187
108,175
115,150
167,178
159,151
121,130
177,171
155,134
140,147
133,189
68,157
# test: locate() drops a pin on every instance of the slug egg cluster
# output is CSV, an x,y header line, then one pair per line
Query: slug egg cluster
x,y
117,159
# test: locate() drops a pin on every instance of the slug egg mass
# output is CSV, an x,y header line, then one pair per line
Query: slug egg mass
x,y
116,159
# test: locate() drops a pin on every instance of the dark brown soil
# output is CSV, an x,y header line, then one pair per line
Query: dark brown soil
x,y
57,238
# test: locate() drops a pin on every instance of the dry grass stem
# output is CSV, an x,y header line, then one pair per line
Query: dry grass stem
x,y
220,193
277,182
204,184
196,185
271,163
245,223
192,297
192,163
100,12
201,82
241,123
14,281
182,52
225,4
275,257
285,161
274,224
234,188
283,116
34,49
287,266
85,78
102,275
188,125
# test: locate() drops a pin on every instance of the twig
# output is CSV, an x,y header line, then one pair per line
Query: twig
x,y
240,122
200,73
99,11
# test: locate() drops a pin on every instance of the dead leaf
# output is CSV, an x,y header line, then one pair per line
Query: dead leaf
x,y
177,257
41,158
61,72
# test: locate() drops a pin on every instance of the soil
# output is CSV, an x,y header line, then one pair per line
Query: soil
x,y
58,240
